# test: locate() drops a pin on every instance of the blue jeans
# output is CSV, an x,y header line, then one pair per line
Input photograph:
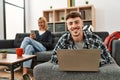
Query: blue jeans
x,y
30,46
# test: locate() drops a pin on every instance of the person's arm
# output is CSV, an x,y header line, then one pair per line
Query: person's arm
x,y
54,55
105,55
96,42
60,45
32,34
48,43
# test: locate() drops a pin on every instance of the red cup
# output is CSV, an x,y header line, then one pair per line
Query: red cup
x,y
19,52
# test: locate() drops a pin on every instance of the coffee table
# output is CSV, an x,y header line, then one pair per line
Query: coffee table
x,y
12,60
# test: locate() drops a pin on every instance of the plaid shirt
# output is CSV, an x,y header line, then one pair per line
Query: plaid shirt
x,y
91,41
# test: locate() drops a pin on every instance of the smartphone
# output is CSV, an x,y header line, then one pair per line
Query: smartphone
x,y
33,33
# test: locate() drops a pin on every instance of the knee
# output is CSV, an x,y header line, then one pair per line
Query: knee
x,y
29,50
26,38
29,47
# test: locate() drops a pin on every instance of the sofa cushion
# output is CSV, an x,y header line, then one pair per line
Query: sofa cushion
x,y
49,71
6,44
44,56
19,38
55,37
102,35
116,51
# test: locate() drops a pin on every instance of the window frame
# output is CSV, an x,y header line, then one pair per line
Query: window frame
x,y
4,16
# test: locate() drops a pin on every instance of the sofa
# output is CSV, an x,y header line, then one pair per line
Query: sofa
x,y
50,71
11,44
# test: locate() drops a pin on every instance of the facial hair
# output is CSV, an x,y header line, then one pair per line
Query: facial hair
x,y
77,34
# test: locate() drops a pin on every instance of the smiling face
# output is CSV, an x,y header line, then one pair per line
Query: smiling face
x,y
42,23
74,25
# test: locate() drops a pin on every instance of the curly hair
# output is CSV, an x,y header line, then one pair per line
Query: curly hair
x,y
73,14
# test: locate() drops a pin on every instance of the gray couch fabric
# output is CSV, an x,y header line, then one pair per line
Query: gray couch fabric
x,y
116,51
49,71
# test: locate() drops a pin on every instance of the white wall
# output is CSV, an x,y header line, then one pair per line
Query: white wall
x,y
36,8
27,15
1,20
107,12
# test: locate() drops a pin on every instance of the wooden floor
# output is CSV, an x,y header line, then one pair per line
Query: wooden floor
x,y
17,74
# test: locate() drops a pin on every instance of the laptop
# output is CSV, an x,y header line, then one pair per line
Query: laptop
x,y
78,60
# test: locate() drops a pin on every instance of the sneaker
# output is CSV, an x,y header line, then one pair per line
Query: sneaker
x,y
26,77
15,69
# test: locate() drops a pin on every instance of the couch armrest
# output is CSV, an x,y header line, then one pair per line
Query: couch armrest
x,y
4,44
116,51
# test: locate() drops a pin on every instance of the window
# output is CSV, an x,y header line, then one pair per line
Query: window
x,y
14,18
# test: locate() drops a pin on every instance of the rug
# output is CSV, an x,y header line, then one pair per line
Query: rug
x,y
17,74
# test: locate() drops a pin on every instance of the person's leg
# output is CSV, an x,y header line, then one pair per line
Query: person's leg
x,y
37,45
25,70
30,46
25,42
29,50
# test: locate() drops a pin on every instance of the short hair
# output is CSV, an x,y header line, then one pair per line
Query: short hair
x,y
45,21
73,14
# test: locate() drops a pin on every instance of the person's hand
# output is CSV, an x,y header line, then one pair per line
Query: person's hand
x,y
32,35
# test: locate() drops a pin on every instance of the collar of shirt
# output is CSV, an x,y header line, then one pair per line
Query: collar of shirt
x,y
41,32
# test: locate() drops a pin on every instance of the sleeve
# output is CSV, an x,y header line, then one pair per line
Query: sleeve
x,y
48,44
59,45
105,55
